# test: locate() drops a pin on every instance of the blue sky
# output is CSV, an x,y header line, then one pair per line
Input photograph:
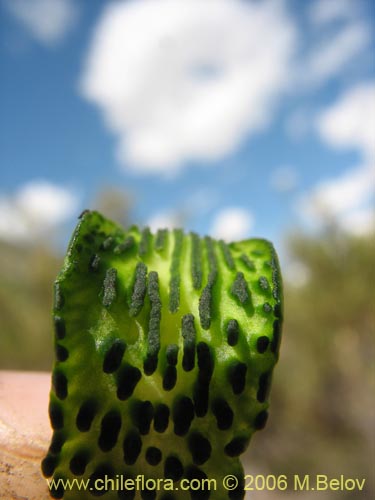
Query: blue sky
x,y
236,118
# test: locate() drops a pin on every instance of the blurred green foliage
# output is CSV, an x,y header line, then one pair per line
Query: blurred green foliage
x,y
322,400
26,279
323,395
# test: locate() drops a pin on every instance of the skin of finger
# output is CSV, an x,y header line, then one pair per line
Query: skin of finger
x,y
25,433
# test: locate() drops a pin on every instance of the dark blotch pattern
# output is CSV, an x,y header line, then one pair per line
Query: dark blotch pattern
x,y
277,310
60,384
201,388
107,243
89,238
239,492
173,468
261,420
94,263
263,283
170,378
195,473
113,357
248,262
205,300
174,283
160,239
126,494
267,308
200,448
127,379
101,472
223,414
109,287
86,415
79,462
148,494
264,386
150,364
124,246
139,289
132,447
196,261
236,447
49,464
57,442
188,335
144,244
237,377
62,353
143,413
153,455
60,330
161,417
262,344
205,307
227,255
57,491
153,337
200,396
276,282
168,496
233,331
240,289
172,354
110,428
205,361
183,414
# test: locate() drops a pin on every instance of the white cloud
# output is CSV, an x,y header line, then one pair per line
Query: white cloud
x,y
179,81
47,20
45,202
284,179
337,45
335,52
359,222
343,193
164,220
350,122
36,208
232,223
345,199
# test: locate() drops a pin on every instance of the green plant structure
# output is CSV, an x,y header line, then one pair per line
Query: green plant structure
x,y
165,346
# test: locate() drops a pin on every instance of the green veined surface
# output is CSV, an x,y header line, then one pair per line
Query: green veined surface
x,y
165,346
